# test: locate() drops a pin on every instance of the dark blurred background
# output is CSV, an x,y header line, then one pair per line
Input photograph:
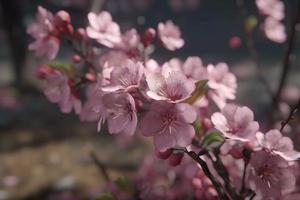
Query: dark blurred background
x,y
44,154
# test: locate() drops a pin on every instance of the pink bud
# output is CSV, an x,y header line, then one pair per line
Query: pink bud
x,y
90,76
62,21
76,58
148,36
164,154
80,34
63,16
175,159
235,42
42,71
206,124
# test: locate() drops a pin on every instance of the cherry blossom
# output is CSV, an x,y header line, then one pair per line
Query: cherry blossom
x,y
126,77
58,90
103,29
170,35
173,87
222,84
274,30
121,113
274,142
273,8
93,109
269,175
43,31
169,124
235,123
129,41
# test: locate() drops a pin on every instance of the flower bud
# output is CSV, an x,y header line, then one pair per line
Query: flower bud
x,y
175,159
80,34
164,154
148,36
76,58
42,71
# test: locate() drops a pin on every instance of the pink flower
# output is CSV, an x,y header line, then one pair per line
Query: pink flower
x,y
121,113
43,31
274,30
274,142
58,90
193,68
125,77
93,108
222,84
269,175
170,35
273,8
103,29
173,87
169,124
48,47
129,41
236,123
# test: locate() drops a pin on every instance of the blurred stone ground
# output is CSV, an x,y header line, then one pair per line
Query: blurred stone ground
x,y
43,151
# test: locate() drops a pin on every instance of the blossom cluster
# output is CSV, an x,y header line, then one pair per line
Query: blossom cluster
x,y
181,104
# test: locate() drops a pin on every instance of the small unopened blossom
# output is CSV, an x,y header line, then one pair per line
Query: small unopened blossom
x,y
274,142
126,77
203,187
236,123
103,29
274,30
173,87
269,175
43,31
222,84
169,124
170,35
121,113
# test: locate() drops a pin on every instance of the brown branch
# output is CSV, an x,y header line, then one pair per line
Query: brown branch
x,y
102,168
286,59
217,185
223,173
291,116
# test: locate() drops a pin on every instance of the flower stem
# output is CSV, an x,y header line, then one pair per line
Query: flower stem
x,y
215,182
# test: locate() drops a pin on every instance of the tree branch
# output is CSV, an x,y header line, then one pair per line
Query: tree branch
x,y
100,166
215,182
291,116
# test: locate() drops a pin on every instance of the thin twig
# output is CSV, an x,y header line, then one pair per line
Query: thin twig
x,y
100,165
286,59
215,182
251,46
223,173
243,187
291,116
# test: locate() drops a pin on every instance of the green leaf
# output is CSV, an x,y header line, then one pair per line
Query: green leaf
x,y
198,92
124,184
213,138
61,65
250,23
198,127
106,196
